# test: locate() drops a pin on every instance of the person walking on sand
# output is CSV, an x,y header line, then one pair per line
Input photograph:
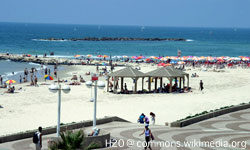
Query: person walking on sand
x,y
20,80
36,80
1,80
201,85
148,136
37,139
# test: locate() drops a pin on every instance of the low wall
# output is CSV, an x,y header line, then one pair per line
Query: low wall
x,y
193,120
102,139
51,130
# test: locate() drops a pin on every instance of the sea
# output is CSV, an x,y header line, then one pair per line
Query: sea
x,y
24,38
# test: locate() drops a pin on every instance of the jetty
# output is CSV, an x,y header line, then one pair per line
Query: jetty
x,y
48,60
112,39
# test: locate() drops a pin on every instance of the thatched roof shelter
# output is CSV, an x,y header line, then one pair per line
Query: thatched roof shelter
x,y
163,72
170,73
127,72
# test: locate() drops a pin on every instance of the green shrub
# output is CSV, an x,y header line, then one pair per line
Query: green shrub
x,y
69,141
94,145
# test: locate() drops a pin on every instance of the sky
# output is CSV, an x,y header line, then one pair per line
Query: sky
x,y
177,13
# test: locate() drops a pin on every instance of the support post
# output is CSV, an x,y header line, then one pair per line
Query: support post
x,y
156,83
142,83
59,112
114,82
95,100
149,84
170,88
135,85
180,82
108,84
161,83
122,84
183,82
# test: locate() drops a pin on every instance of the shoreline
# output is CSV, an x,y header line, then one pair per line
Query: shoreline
x,y
120,60
27,104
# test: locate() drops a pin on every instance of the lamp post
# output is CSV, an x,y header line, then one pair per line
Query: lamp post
x,y
100,85
57,88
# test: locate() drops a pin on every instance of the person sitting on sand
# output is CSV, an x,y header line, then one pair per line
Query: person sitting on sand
x,y
82,80
35,81
10,90
32,83
75,83
4,86
194,75
74,77
87,73
174,87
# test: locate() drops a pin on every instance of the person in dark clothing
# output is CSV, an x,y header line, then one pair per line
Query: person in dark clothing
x,y
1,80
201,85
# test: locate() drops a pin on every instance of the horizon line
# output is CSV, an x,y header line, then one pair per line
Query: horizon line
x,y
125,25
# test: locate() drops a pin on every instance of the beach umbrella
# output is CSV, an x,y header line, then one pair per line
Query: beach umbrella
x,y
181,62
89,55
161,64
167,65
105,56
164,58
10,81
173,62
134,57
47,77
28,55
104,64
140,57
153,57
148,59
125,56
76,56
99,55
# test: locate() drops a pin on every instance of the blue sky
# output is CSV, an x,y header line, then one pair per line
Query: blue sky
x,y
188,13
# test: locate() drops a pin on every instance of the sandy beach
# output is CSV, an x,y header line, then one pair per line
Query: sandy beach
x,y
32,106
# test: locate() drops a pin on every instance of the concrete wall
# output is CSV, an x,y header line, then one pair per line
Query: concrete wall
x,y
51,130
103,139
187,122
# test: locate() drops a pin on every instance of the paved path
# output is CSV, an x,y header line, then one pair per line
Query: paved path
x,y
229,130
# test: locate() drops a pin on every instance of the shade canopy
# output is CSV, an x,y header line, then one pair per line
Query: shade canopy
x,y
127,72
10,81
166,72
176,70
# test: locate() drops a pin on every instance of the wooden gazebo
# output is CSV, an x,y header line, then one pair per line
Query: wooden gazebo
x,y
127,72
166,72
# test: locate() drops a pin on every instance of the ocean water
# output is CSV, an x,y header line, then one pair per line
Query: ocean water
x,y
21,38
12,70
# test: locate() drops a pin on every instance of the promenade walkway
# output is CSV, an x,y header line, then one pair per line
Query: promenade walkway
x,y
229,130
